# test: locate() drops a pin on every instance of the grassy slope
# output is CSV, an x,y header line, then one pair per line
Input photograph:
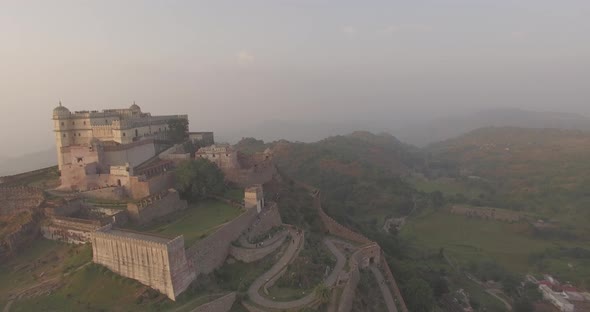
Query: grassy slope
x,y
195,222
465,239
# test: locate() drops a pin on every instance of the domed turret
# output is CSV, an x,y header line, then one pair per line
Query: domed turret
x,y
135,108
61,111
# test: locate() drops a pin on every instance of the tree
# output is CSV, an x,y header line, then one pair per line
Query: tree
x,y
523,305
196,179
418,295
178,130
322,293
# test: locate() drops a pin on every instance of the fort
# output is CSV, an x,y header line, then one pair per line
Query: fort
x,y
117,173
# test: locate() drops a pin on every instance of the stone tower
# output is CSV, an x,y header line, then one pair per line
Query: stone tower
x,y
60,127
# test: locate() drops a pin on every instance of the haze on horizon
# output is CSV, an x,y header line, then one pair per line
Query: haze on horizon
x,y
233,65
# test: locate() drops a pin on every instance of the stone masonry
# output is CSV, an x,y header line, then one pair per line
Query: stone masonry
x,y
155,261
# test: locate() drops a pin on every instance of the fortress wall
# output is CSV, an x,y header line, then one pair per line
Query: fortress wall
x,y
211,252
223,304
140,188
254,254
23,176
248,177
14,200
337,229
134,153
108,193
69,230
267,219
155,206
393,285
153,261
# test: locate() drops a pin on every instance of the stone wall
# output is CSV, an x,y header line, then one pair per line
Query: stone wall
x,y
107,193
267,219
155,261
393,285
250,176
336,228
69,230
14,200
223,304
155,206
210,253
140,187
254,254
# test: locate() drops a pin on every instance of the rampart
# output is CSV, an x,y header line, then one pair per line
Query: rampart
x,y
368,252
15,178
250,176
338,229
155,261
107,192
211,252
14,200
222,304
155,206
248,255
69,230
141,187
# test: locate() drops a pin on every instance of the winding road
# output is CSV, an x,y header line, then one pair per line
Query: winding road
x,y
280,267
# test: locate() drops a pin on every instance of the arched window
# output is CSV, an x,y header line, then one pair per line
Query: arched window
x,y
64,135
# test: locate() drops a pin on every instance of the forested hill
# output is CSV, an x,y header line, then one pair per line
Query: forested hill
x,y
360,174
542,170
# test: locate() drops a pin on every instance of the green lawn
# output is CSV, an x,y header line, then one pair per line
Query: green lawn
x,y
465,239
195,222
447,186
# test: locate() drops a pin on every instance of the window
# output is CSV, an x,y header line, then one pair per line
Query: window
x,y
64,135
84,123
124,134
79,134
62,123
73,122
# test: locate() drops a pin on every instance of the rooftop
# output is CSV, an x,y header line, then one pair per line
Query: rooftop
x,y
141,236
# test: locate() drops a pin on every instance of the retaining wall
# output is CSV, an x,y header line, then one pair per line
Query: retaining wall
x,y
254,254
155,206
155,261
69,230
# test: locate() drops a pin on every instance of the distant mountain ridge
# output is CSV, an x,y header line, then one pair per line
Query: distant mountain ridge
x,y
422,134
28,162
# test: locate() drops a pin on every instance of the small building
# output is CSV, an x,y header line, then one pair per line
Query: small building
x,y
254,197
224,156
203,138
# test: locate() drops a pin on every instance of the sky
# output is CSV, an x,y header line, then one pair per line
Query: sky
x,y
231,65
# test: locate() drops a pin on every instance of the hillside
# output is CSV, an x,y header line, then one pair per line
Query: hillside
x,y
424,133
540,170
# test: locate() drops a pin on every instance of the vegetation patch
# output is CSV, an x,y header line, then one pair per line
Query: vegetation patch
x,y
195,222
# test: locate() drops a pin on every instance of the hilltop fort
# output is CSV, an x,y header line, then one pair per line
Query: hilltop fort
x,y
116,192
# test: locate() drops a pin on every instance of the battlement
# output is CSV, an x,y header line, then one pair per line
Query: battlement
x,y
19,198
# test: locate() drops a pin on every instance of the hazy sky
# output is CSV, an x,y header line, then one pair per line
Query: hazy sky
x,y
229,64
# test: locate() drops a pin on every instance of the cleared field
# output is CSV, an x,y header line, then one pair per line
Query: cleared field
x,y
465,239
196,221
